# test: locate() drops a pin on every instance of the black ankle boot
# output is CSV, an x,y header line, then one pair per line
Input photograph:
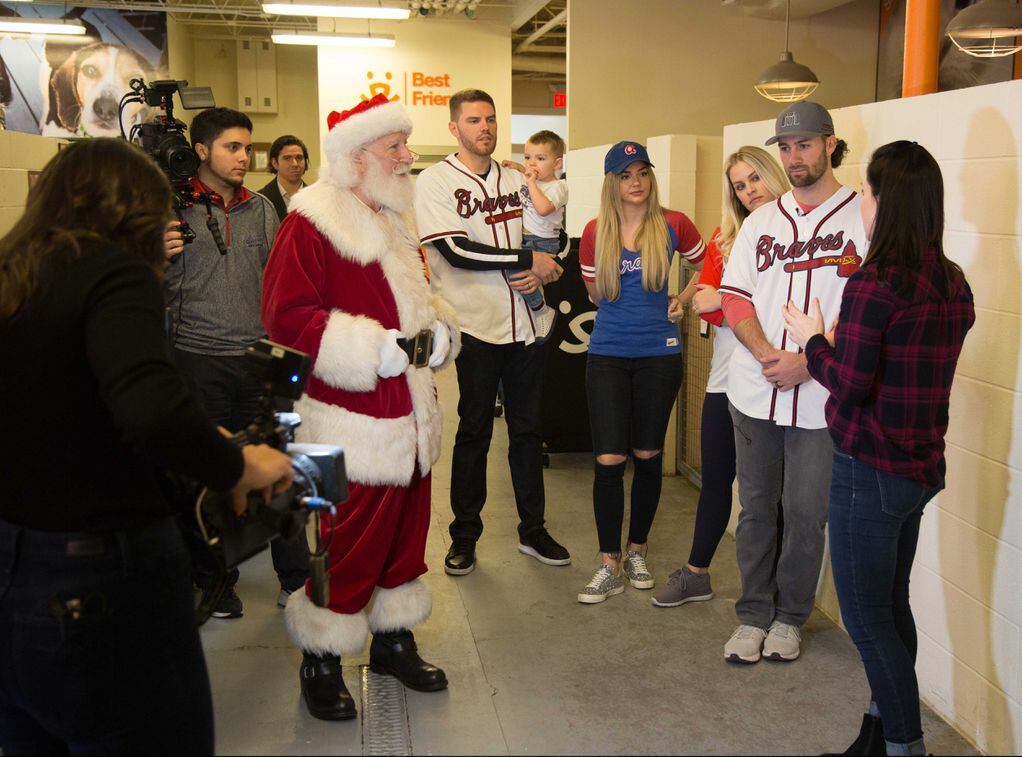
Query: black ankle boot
x,y
323,688
395,654
870,740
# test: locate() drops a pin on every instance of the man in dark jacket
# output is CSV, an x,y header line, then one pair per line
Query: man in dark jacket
x,y
289,160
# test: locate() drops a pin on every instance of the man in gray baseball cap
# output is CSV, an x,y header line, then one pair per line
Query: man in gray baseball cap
x,y
803,119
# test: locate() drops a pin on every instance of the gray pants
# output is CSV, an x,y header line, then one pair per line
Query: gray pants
x,y
791,465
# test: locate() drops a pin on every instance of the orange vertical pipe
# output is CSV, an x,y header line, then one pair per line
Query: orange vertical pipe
x,y
1018,59
922,47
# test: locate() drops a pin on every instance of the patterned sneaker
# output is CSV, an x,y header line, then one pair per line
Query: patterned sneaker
x,y
744,645
604,584
637,572
782,642
684,586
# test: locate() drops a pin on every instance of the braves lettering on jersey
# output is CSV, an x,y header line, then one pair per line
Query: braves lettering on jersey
x,y
452,201
781,254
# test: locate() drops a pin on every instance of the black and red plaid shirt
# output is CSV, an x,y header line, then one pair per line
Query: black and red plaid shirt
x,y
890,372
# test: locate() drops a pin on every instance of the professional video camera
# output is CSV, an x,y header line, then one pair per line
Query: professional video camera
x,y
319,484
164,139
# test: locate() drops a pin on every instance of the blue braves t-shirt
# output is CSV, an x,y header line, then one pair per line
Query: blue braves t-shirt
x,y
635,324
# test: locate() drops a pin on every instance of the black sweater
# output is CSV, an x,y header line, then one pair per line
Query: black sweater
x,y
91,405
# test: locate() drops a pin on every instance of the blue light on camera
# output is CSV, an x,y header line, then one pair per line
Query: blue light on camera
x,y
294,378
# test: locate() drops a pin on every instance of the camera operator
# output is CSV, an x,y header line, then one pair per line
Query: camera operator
x,y
101,652
289,160
214,301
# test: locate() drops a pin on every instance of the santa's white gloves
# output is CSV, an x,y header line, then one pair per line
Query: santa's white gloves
x,y
393,359
441,344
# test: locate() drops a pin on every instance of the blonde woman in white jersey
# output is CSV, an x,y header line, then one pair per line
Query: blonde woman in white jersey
x,y
752,178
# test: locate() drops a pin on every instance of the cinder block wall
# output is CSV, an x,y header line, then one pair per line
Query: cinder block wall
x,y
967,581
20,154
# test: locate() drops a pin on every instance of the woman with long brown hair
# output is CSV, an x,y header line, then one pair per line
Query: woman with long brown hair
x,y
752,178
634,367
888,366
101,652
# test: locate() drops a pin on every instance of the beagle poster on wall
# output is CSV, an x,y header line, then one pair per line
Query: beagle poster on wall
x,y
66,86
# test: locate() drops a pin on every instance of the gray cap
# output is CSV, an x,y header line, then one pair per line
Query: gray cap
x,y
803,119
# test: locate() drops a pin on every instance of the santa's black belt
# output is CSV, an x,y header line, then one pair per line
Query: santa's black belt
x,y
418,347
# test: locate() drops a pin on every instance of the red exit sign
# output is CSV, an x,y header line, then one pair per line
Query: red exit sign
x,y
560,100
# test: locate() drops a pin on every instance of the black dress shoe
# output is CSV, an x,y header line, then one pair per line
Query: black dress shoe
x,y
395,654
870,740
323,688
461,558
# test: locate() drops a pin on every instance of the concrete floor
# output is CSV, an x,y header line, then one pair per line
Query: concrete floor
x,y
534,672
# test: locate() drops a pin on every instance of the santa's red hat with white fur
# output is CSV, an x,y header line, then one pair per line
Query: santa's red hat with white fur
x,y
355,128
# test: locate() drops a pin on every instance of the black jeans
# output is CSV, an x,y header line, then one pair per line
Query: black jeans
x,y
481,367
717,444
230,397
874,529
630,401
101,653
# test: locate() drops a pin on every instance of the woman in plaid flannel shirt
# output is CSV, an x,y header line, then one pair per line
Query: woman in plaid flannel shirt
x,y
888,366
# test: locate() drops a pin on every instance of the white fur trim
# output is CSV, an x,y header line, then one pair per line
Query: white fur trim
x,y
349,352
445,312
358,131
322,631
377,451
401,608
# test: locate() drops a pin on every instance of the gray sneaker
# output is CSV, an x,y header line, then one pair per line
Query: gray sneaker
x,y
684,586
782,642
605,584
637,572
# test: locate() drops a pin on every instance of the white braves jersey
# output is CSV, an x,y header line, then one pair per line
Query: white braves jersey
x,y
452,201
781,254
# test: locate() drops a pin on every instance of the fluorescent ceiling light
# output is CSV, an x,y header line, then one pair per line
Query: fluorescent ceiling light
x,y
332,10
332,40
53,27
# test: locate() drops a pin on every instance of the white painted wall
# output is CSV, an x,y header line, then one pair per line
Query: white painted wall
x,y
967,581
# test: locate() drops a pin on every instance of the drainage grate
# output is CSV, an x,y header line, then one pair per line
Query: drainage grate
x,y
385,727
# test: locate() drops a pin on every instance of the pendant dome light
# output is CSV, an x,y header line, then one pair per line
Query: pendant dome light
x,y
988,29
787,81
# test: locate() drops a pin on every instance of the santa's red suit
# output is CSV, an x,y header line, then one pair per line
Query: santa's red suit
x,y
340,278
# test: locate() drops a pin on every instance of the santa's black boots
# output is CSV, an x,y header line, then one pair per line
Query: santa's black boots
x,y
323,688
395,654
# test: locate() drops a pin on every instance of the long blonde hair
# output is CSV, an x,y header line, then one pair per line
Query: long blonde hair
x,y
733,213
652,241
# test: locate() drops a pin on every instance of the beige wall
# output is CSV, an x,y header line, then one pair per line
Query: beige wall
x,y
454,54
647,67
19,154
967,580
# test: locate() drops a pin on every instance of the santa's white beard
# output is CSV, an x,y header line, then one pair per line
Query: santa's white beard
x,y
388,188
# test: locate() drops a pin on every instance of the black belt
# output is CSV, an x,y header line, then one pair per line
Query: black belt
x,y
419,347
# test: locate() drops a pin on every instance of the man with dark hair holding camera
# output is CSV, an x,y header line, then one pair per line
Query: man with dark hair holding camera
x,y
289,160
214,290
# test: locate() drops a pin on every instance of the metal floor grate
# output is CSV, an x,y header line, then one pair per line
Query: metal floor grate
x,y
385,728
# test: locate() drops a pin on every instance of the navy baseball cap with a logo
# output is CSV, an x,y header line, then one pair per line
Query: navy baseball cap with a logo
x,y
803,119
622,155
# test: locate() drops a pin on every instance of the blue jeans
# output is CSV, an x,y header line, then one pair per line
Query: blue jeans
x,y
874,528
550,245
100,653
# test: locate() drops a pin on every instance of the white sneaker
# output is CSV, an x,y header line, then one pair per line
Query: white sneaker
x,y
606,583
744,645
782,642
637,572
544,320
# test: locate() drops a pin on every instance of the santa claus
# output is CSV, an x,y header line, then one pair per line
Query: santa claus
x,y
347,283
